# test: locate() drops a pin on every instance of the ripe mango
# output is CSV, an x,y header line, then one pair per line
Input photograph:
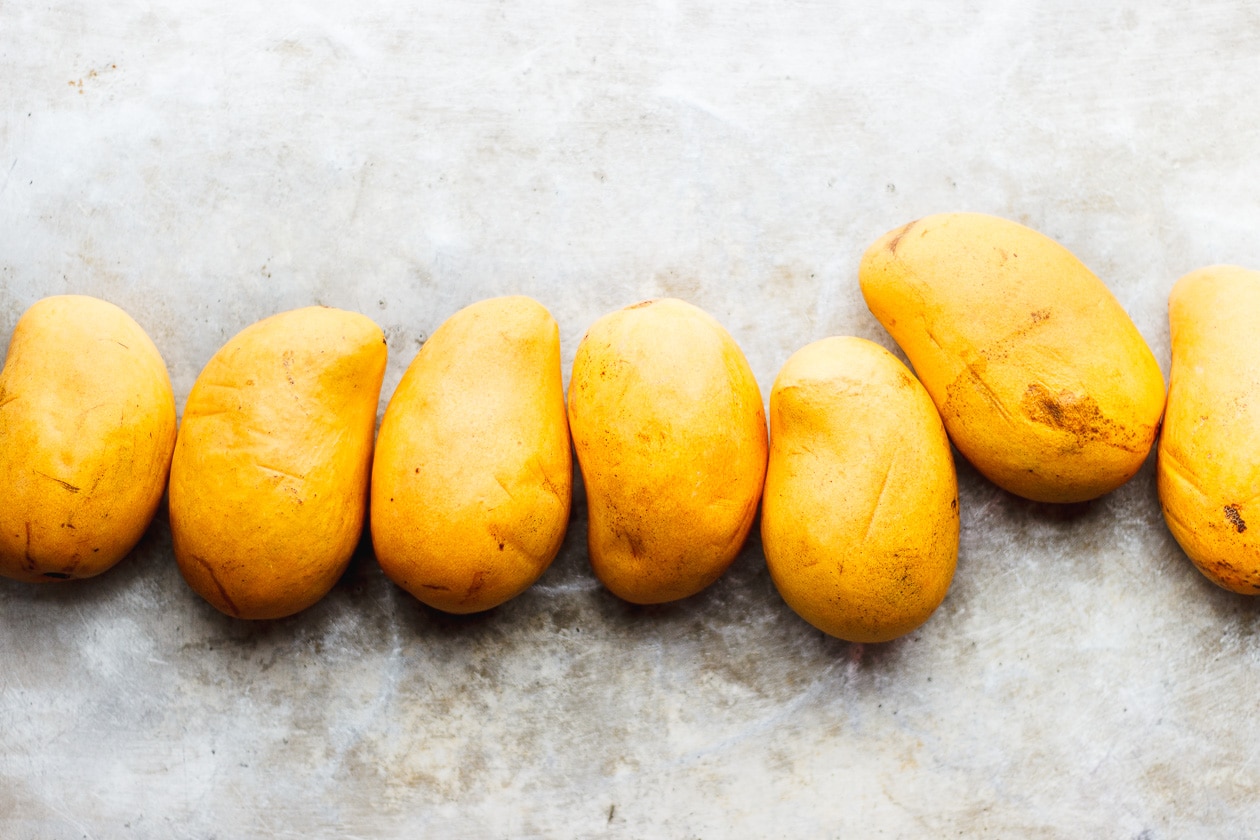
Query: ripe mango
x,y
473,472
1209,452
859,520
1043,382
269,483
670,435
87,425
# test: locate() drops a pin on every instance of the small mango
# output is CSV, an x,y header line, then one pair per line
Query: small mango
x,y
473,472
269,483
670,435
87,426
859,520
1041,379
1209,453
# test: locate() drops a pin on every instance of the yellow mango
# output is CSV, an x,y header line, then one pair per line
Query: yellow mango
x,y
87,425
859,519
1209,452
473,473
269,483
670,435
1041,379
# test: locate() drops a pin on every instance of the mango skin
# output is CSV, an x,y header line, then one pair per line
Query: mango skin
x,y
1043,382
859,519
269,483
87,426
473,474
1208,472
670,434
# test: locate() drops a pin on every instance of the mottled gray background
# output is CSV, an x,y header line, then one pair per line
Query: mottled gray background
x,y
204,164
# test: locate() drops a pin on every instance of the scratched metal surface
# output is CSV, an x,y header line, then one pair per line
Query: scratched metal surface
x,y
206,164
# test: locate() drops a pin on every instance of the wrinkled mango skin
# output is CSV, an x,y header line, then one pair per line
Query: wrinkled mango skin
x,y
87,426
1041,379
473,473
1209,452
859,519
670,434
269,483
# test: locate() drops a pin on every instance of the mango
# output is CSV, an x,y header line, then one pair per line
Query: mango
x,y
670,435
269,483
1042,380
859,519
1208,472
473,473
87,425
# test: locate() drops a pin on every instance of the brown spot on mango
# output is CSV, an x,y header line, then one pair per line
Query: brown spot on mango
x,y
897,236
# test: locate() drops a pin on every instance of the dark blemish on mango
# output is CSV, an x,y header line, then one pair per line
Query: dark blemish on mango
x,y
435,586
549,486
479,580
218,585
57,575
1052,408
67,485
1077,415
641,304
1040,315
896,240
1235,518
